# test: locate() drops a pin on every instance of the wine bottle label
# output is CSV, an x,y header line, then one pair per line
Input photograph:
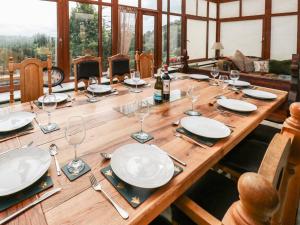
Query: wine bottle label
x,y
158,95
166,89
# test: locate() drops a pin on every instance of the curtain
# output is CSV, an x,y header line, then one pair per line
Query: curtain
x,y
127,21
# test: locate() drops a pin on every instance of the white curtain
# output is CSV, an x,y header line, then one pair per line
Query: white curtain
x,y
127,21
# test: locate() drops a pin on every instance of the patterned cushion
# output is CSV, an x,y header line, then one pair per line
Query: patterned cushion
x,y
238,59
249,64
261,66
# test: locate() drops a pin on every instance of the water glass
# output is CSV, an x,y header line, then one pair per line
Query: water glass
x,y
75,135
215,73
142,110
234,76
136,77
223,81
191,93
49,105
93,82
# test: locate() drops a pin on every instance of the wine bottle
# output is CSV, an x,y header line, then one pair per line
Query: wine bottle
x,y
158,90
166,79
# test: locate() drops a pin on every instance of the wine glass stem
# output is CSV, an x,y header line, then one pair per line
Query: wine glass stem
x,y
136,87
49,118
192,106
75,152
142,123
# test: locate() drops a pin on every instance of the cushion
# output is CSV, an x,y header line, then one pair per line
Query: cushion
x,y
261,66
249,64
264,133
280,67
238,59
213,192
120,67
225,64
87,69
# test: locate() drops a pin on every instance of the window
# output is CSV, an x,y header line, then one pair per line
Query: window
x,y
164,37
34,35
165,5
196,38
148,33
149,4
106,35
175,6
175,38
129,2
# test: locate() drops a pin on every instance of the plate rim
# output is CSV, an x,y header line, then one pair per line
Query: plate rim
x,y
246,83
24,124
206,118
271,98
141,84
254,106
98,92
36,178
205,77
134,184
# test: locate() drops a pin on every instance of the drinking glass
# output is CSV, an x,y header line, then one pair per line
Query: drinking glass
x,y
49,105
142,110
93,82
75,135
215,73
191,93
224,81
136,77
234,76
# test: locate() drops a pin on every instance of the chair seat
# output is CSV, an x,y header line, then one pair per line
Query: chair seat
x,y
247,156
160,220
213,192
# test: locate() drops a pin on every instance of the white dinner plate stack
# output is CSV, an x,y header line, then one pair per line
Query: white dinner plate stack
x,y
142,166
133,83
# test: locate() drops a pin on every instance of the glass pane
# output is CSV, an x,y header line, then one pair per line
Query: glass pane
x,y
175,6
164,37
191,7
83,30
165,5
196,38
202,8
175,38
279,6
106,35
26,35
149,4
109,1
212,32
129,2
148,33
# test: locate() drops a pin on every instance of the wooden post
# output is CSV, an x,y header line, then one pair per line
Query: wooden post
x,y
258,202
137,61
49,68
11,80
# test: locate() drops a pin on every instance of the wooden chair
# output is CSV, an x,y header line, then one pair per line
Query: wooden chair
x,y
270,196
86,67
145,64
31,78
119,67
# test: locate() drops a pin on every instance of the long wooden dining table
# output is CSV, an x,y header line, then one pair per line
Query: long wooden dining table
x,y
107,129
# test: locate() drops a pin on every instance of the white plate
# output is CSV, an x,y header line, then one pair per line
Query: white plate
x,y
259,94
142,166
21,168
131,82
15,120
60,97
99,89
199,77
239,83
237,105
205,127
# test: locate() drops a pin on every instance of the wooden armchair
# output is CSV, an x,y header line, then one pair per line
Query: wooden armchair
x,y
119,67
145,64
270,196
86,67
31,78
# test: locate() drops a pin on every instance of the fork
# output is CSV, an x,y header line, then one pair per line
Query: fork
x,y
97,187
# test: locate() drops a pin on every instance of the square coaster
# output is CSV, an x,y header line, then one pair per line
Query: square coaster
x,y
134,136
73,177
49,131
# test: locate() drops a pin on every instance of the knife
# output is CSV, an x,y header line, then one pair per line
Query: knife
x,y
42,198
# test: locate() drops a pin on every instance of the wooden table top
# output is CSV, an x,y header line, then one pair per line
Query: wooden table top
x,y
108,129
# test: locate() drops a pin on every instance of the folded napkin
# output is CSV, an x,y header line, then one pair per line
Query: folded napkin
x,y
133,195
41,185
23,130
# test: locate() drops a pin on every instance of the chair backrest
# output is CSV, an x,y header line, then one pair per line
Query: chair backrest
x,y
86,67
31,78
119,67
294,93
145,64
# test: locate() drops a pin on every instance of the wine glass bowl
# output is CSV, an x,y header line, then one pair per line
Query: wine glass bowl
x,y
93,82
224,81
142,110
136,77
193,96
234,76
49,105
75,134
215,73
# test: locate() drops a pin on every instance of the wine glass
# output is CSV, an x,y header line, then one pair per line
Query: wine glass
x,y
224,81
93,82
136,77
215,73
49,105
191,93
142,110
234,76
75,135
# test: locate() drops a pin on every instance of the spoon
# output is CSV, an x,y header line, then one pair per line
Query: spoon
x,y
53,152
106,156
27,146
